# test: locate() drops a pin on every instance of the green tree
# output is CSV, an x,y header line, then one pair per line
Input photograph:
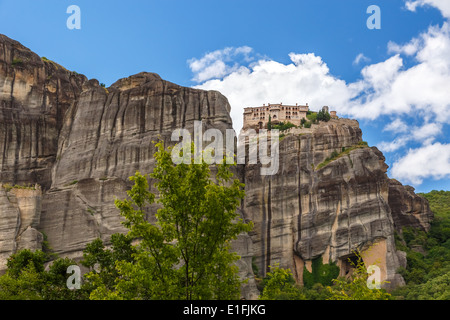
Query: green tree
x,y
26,278
355,288
102,261
323,116
279,284
186,253
320,115
427,253
312,117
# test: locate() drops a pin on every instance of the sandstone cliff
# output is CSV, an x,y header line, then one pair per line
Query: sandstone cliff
x,y
81,142
317,208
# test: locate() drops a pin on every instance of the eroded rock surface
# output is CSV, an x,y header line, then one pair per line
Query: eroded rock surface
x,y
81,142
312,208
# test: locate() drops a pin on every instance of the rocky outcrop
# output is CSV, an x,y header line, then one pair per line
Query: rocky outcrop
x,y
81,142
317,208
20,211
408,208
35,95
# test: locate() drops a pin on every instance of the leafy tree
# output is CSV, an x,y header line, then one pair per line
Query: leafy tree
x,y
355,288
26,278
102,261
282,126
320,115
186,253
303,121
279,284
427,253
323,116
312,117
18,262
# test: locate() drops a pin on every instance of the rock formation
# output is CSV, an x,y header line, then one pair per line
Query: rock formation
x,y
80,142
316,208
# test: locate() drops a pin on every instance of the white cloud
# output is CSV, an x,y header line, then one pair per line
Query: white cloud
x,y
396,126
394,145
408,49
424,134
216,64
385,88
360,58
388,88
380,76
429,161
442,5
305,80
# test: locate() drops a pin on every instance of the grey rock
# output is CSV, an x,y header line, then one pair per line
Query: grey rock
x,y
81,142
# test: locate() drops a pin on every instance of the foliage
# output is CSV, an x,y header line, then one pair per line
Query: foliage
x,y
102,261
282,126
17,62
186,253
427,253
8,187
344,151
323,116
355,288
321,273
312,117
279,284
26,278
47,249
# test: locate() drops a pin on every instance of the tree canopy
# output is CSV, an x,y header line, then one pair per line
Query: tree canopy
x,y
186,253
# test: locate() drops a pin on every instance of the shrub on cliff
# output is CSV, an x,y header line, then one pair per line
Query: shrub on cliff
x,y
279,284
356,288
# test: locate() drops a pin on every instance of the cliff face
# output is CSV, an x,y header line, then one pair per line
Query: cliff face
x,y
81,142
315,209
35,95
408,209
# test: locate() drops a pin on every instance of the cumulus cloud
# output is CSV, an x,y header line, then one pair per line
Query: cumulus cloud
x,y
424,134
394,145
306,79
396,126
386,88
389,88
442,5
429,161
219,63
408,49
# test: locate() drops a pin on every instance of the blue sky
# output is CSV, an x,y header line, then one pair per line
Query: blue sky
x,y
395,80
